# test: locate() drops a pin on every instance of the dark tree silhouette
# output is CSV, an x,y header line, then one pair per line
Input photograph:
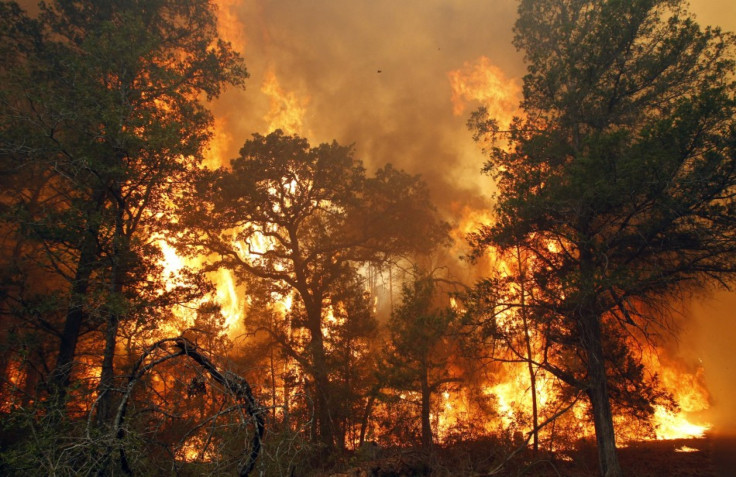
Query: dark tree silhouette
x,y
101,108
300,219
620,178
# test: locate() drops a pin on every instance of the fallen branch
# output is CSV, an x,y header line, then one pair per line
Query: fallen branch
x,y
233,383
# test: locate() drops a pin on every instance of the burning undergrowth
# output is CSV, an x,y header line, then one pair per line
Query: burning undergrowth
x,y
379,320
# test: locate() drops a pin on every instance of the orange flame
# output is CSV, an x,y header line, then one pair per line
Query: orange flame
x,y
286,109
689,391
485,83
229,25
219,145
227,294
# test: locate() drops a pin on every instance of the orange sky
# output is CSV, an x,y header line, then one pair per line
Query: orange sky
x,y
374,73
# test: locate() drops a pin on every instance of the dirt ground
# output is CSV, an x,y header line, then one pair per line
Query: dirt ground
x,y
711,456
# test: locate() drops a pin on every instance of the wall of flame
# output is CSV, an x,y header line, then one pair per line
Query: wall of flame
x,y
398,79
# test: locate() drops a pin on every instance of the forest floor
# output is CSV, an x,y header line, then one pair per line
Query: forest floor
x,y
711,456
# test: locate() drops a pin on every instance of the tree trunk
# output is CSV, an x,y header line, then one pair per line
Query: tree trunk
x,y
366,417
273,386
599,399
529,351
321,380
426,403
61,374
286,422
105,388
120,252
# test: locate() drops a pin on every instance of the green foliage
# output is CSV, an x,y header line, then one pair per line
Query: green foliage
x,y
283,193
296,221
419,329
39,441
101,122
416,361
619,178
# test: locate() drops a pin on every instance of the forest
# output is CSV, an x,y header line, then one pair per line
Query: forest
x,y
296,310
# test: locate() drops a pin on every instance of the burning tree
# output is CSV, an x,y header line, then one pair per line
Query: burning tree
x,y
101,121
299,220
619,179
418,353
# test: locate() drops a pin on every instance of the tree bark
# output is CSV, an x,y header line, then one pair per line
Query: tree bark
x,y
107,375
366,417
118,270
321,380
426,405
599,398
75,315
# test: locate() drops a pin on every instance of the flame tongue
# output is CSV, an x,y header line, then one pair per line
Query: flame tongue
x,y
485,83
287,110
476,82
689,391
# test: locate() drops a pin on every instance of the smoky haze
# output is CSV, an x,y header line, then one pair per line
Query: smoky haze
x,y
708,334
376,73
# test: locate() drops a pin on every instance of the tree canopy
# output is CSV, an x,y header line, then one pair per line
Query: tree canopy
x,y
102,120
619,178
301,220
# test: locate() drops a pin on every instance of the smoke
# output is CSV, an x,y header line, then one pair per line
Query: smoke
x,y
708,332
708,337
377,74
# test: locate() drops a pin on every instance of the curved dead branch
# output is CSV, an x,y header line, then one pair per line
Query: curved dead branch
x,y
235,384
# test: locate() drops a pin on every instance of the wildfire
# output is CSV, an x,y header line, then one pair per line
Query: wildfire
x,y
195,449
219,145
470,220
483,82
228,297
689,392
686,449
476,82
227,294
172,263
229,25
287,110
676,426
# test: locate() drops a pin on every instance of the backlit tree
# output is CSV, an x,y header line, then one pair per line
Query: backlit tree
x,y
300,220
620,176
102,121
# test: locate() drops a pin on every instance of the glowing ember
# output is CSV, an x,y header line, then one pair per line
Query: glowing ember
x,y
686,449
193,450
